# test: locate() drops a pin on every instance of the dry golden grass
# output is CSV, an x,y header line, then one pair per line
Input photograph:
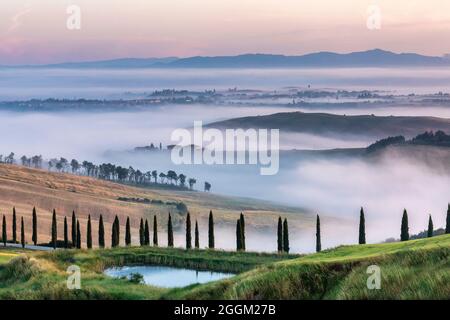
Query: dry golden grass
x,y
25,188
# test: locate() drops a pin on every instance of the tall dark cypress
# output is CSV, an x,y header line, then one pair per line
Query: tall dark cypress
x,y
243,231
74,230
197,236
285,236
447,227
54,230
155,231
89,233
238,235
280,235
14,226
78,235
66,235
115,234
404,235
4,233
141,232
188,231
318,237
169,232
128,232
211,240
146,233
22,233
362,227
101,233
430,227
34,234
117,231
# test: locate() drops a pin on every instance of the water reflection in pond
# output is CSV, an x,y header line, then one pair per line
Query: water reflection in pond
x,y
167,277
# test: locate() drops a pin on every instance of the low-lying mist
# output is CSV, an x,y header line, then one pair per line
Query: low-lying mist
x,y
329,186
119,83
384,188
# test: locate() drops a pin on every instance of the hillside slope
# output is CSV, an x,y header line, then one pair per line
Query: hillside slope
x,y
324,123
418,269
25,188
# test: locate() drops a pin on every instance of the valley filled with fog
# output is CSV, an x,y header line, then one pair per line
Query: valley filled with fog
x,y
334,185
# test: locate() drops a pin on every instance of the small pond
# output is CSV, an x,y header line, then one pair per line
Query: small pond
x,y
167,277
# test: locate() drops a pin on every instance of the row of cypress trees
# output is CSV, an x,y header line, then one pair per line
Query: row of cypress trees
x,y
144,232
22,229
404,229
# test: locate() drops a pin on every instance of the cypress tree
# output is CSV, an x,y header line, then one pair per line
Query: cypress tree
x,y
155,231
146,233
54,230
197,237
34,234
238,235
89,233
285,236
447,227
22,233
169,232
115,234
101,233
211,240
318,237
404,236
128,232
141,232
4,233
117,231
243,231
74,230
78,235
430,227
66,236
280,235
188,231
362,227
14,226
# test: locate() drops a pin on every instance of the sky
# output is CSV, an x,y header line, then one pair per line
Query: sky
x,y
35,31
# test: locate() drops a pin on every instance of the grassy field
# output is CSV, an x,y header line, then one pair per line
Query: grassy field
x,y
418,269
25,188
42,275
7,256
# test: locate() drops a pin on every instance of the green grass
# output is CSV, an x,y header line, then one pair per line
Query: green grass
x,y
214,260
418,269
5,257
42,275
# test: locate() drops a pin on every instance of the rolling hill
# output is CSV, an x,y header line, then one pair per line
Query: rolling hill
x,y
332,124
417,269
25,188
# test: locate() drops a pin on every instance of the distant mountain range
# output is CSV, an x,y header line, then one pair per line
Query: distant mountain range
x,y
370,58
